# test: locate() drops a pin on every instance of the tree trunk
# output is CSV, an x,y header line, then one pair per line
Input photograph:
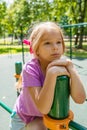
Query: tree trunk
x,y
82,10
76,38
81,38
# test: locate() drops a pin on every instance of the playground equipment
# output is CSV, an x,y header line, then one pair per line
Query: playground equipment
x,y
18,69
5,107
70,26
59,117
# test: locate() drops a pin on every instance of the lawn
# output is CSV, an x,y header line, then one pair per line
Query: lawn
x,y
80,53
9,48
5,49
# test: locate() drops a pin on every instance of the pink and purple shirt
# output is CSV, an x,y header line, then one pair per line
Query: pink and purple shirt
x,y
32,76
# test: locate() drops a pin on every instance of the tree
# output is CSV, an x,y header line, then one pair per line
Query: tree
x,y
82,9
2,16
25,13
79,13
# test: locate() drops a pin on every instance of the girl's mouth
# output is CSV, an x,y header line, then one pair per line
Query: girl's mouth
x,y
55,55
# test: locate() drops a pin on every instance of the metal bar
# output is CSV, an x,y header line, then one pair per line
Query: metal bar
x,y
75,126
22,44
74,25
70,42
5,107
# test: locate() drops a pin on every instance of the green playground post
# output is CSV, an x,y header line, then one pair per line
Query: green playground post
x,y
60,106
59,116
18,69
59,113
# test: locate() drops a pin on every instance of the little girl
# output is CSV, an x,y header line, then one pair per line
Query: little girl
x,y
39,78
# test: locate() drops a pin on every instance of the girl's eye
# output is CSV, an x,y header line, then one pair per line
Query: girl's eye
x,y
59,42
47,43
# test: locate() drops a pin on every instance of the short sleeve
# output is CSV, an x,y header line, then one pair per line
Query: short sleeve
x,y
31,76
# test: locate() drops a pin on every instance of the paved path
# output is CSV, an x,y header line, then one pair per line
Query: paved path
x,y
80,111
8,91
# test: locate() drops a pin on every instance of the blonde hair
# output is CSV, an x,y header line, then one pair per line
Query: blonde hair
x,y
39,31
36,36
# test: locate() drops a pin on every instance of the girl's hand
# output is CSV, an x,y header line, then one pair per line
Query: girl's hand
x,y
62,62
57,71
69,65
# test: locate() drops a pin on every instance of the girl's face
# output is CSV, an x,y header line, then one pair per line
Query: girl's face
x,y
50,47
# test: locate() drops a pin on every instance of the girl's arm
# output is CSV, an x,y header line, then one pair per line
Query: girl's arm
x,y
43,96
77,89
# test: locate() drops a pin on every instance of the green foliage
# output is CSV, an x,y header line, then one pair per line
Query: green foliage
x,y
2,10
2,16
12,49
26,12
22,14
82,53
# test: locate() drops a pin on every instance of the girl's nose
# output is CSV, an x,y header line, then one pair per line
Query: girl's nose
x,y
55,46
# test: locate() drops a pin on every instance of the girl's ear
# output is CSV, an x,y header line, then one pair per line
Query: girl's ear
x,y
37,53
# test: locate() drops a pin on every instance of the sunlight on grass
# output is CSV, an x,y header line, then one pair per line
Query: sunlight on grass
x,y
12,49
82,53
5,49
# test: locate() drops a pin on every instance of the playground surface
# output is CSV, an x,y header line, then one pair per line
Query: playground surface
x,y
8,92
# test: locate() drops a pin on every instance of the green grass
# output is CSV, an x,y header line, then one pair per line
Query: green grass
x,y
81,53
77,53
12,49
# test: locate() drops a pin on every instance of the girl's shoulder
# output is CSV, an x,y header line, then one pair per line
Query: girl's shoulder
x,y
32,64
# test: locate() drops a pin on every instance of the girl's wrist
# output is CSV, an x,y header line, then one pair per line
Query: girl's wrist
x,y
72,71
51,74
